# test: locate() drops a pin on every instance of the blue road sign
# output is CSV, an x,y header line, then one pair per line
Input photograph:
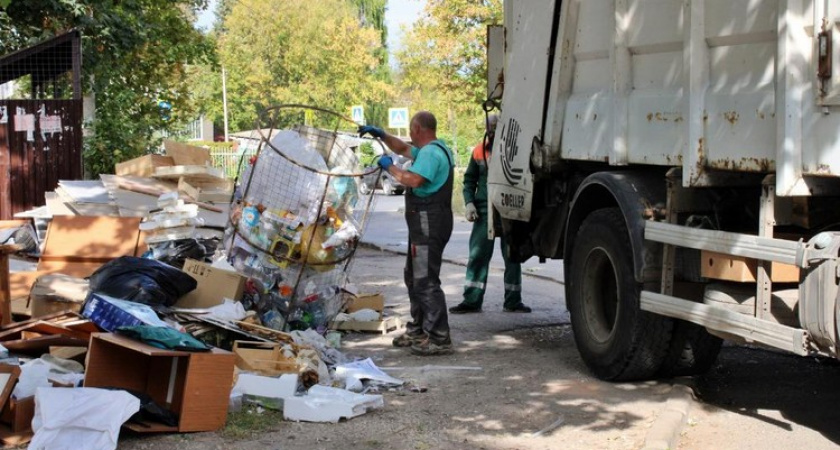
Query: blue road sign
x,y
397,117
357,113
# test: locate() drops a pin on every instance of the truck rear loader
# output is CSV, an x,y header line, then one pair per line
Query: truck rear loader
x,y
683,158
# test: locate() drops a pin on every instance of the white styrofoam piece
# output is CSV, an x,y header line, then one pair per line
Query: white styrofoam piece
x,y
283,387
86,191
328,404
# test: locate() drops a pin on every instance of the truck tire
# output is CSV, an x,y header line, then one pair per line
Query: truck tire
x,y
693,351
616,339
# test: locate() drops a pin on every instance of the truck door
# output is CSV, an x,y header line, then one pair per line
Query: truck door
x,y
528,43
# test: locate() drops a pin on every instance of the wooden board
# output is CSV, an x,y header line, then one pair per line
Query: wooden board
x,y
203,173
186,155
377,326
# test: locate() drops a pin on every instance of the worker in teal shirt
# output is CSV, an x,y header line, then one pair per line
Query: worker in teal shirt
x,y
481,245
428,214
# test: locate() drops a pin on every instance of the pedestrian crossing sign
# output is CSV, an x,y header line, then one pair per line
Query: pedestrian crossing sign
x,y
357,113
397,117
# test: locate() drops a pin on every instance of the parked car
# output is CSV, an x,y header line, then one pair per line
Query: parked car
x,y
380,179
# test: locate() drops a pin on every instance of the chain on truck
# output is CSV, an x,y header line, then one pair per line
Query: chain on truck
x,y
683,159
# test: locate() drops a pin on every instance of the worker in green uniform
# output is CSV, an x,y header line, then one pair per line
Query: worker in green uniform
x,y
428,214
481,245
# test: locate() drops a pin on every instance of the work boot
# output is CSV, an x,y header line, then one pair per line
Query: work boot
x,y
463,308
520,308
407,340
429,348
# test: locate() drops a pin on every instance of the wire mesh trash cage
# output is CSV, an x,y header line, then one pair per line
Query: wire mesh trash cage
x,y
297,217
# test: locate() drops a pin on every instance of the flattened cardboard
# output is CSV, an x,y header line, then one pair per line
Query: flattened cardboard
x,y
91,239
77,246
214,285
143,166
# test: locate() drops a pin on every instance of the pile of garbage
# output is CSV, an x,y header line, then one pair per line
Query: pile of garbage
x,y
130,311
294,227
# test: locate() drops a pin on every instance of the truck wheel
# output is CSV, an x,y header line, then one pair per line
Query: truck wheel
x,y
693,351
617,340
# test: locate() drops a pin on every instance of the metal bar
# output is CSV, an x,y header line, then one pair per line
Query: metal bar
x,y
737,244
716,318
669,251
766,222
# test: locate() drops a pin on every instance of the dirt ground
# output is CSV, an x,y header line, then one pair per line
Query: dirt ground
x,y
511,376
757,399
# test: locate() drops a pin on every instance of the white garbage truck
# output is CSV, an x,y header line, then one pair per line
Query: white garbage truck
x,y
683,158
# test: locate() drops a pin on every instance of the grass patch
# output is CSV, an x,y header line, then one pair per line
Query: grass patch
x,y
249,422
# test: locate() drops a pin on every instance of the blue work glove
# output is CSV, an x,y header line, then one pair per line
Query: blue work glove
x,y
373,131
385,162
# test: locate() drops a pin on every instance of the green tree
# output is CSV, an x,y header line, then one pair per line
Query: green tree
x,y
315,53
443,65
135,54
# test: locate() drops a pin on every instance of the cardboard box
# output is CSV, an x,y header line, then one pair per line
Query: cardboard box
x,y
719,266
143,166
375,302
18,414
57,292
264,358
195,386
214,285
207,190
111,313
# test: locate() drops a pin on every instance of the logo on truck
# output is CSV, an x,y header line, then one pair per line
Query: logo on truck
x,y
510,134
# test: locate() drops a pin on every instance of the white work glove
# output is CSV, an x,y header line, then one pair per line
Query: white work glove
x,y
471,213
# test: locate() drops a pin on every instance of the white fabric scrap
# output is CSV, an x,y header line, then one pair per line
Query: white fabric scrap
x,y
74,418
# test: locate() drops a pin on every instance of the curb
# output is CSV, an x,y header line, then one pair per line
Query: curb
x,y
454,261
665,432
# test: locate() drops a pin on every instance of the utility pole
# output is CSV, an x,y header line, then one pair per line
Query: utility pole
x,y
224,102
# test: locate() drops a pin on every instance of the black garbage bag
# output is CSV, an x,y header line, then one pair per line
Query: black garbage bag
x,y
141,280
149,410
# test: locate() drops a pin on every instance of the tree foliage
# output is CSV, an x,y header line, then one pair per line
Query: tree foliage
x,y
443,64
135,53
298,51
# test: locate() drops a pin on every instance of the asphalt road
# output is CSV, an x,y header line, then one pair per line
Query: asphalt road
x,y
386,229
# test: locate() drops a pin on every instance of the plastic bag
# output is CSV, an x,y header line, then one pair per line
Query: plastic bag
x,y
141,280
176,252
80,417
